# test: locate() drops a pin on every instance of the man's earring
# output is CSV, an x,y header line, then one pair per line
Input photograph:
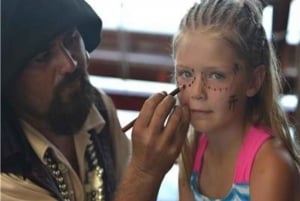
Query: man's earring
x,y
88,57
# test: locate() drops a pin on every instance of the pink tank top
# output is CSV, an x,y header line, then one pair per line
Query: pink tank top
x,y
254,138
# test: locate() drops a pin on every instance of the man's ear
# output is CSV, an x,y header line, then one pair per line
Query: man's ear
x,y
256,80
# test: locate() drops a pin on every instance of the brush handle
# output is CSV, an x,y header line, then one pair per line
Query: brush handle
x,y
128,126
172,93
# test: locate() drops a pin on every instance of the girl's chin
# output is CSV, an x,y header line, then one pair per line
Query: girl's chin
x,y
201,127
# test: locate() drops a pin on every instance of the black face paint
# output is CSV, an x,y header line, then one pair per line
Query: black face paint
x,y
232,101
214,79
194,78
236,69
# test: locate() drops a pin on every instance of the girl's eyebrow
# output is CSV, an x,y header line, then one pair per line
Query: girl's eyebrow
x,y
192,68
211,67
183,66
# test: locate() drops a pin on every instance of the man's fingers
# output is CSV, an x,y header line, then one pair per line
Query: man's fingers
x,y
148,109
183,127
177,124
162,112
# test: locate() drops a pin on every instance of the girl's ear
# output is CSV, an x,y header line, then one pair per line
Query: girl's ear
x,y
256,81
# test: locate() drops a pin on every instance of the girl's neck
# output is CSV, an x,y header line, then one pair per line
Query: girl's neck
x,y
226,140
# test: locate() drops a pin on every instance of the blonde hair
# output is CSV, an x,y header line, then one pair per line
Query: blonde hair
x,y
239,23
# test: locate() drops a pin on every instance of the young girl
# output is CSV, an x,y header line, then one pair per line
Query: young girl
x,y
240,147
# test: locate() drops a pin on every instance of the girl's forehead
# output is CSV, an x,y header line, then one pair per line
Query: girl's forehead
x,y
204,42
209,68
204,49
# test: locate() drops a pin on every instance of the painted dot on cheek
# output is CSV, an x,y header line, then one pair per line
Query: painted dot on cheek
x,y
232,101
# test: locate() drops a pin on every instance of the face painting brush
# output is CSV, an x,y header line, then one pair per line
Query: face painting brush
x,y
172,93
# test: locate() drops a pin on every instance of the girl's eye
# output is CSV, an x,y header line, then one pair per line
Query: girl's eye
x,y
185,74
217,76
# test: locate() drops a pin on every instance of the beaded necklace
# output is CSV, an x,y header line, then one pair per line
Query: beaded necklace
x,y
94,184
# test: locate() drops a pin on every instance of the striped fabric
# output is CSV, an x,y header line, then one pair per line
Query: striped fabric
x,y
238,192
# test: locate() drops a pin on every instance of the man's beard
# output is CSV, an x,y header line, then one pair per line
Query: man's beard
x,y
66,116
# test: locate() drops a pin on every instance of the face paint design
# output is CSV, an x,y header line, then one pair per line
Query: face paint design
x,y
185,77
233,98
236,69
232,101
214,79
194,78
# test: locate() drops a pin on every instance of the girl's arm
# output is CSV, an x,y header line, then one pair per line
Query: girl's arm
x,y
185,192
274,174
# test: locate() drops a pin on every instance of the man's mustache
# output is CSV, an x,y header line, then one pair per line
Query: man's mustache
x,y
71,77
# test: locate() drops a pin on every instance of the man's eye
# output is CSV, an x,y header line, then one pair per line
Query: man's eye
x,y
43,56
71,40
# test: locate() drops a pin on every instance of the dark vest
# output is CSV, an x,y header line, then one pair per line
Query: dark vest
x,y
17,156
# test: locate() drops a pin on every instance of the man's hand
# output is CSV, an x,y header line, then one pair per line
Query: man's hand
x,y
158,135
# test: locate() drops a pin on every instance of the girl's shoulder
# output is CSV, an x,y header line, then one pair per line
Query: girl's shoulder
x,y
274,152
274,173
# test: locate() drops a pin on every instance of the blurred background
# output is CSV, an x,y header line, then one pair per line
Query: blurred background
x,y
133,60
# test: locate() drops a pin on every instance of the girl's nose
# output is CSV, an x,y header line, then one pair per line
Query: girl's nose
x,y
67,62
198,88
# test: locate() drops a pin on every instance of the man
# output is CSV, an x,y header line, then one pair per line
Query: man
x,y
61,139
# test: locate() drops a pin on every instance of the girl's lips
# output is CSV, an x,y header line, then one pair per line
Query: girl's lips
x,y
200,111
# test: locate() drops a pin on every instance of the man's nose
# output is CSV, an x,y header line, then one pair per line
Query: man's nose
x,y
67,62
